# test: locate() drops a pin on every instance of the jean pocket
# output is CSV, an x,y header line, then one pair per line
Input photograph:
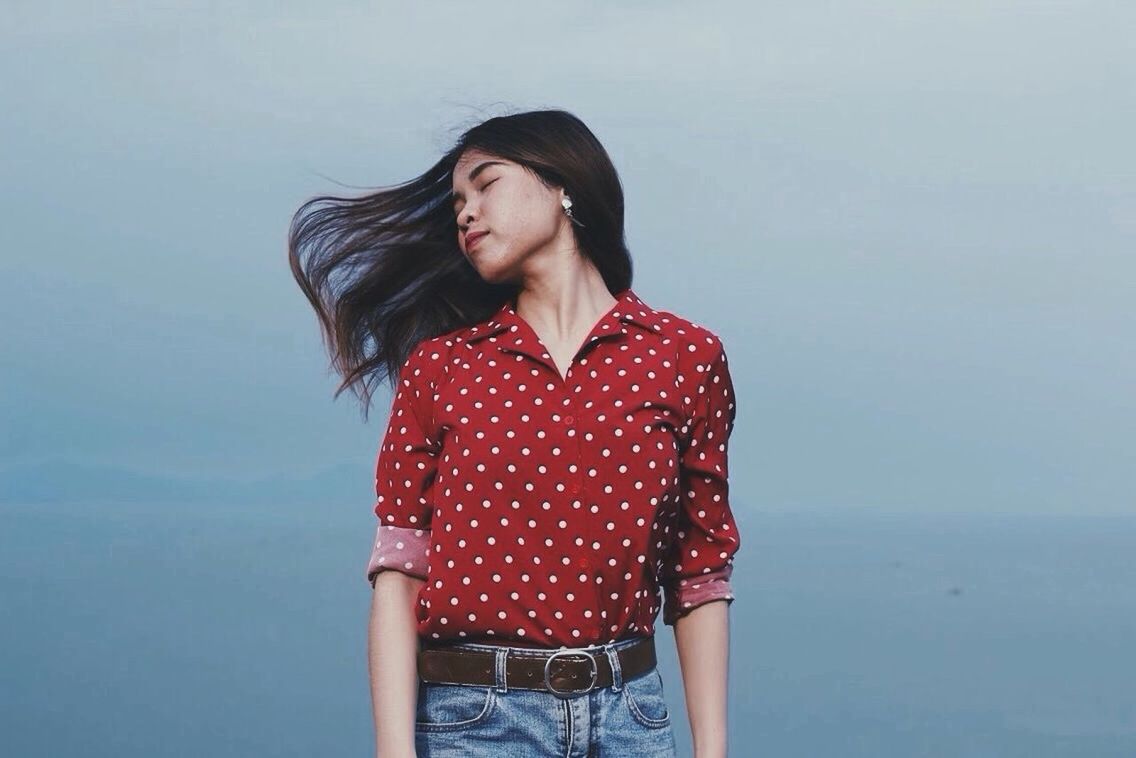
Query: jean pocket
x,y
645,700
452,707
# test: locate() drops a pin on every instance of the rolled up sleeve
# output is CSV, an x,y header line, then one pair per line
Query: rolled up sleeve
x,y
698,565
405,470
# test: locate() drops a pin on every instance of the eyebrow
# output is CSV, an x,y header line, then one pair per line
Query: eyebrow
x,y
455,196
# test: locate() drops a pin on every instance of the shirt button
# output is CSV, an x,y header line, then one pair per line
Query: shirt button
x,y
569,419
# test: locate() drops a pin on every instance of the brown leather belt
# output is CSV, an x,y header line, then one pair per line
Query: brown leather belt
x,y
561,672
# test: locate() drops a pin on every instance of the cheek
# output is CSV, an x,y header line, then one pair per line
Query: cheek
x,y
525,215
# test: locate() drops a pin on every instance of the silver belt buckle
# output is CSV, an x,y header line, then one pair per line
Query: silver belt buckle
x,y
570,693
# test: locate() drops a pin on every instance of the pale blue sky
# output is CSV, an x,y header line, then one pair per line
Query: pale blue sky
x,y
912,223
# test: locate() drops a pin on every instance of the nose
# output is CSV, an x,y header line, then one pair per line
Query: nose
x,y
468,215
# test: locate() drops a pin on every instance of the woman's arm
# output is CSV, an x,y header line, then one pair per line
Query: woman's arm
x,y
392,652
702,638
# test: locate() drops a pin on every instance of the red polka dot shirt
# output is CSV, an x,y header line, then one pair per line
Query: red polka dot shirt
x,y
559,511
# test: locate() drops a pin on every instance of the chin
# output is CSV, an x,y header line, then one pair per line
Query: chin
x,y
493,276
491,271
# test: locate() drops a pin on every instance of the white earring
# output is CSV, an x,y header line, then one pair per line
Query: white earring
x,y
567,203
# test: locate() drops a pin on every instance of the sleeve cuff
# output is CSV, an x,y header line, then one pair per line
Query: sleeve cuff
x,y
400,549
690,593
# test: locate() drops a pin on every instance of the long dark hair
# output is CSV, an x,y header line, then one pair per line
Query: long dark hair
x,y
384,270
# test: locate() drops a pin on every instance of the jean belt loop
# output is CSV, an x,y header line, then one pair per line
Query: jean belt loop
x,y
501,683
616,672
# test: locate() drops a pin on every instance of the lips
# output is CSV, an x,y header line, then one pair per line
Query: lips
x,y
472,238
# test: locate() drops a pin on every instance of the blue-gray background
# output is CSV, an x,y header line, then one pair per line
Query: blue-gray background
x,y
912,224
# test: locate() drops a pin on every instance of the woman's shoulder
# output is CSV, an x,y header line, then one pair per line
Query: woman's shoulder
x,y
429,357
672,326
434,353
696,339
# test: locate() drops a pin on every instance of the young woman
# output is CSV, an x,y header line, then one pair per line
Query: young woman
x,y
554,469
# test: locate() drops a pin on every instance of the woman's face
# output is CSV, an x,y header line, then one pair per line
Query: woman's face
x,y
520,215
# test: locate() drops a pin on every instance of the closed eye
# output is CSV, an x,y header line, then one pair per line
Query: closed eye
x,y
457,210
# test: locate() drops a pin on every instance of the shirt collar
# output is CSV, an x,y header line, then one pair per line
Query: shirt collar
x,y
628,309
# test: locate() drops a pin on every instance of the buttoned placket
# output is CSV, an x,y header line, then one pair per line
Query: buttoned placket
x,y
526,342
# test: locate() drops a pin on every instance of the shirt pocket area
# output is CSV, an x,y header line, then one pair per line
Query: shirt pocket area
x,y
453,707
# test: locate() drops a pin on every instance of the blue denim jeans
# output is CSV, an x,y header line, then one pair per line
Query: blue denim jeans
x,y
629,718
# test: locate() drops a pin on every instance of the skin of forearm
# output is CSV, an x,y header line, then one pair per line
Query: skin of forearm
x,y
392,652
702,639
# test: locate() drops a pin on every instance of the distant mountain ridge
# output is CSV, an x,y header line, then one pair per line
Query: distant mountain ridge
x,y
68,481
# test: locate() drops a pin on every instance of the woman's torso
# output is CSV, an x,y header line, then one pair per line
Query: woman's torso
x,y
555,496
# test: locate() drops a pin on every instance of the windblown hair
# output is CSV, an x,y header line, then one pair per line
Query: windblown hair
x,y
384,270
